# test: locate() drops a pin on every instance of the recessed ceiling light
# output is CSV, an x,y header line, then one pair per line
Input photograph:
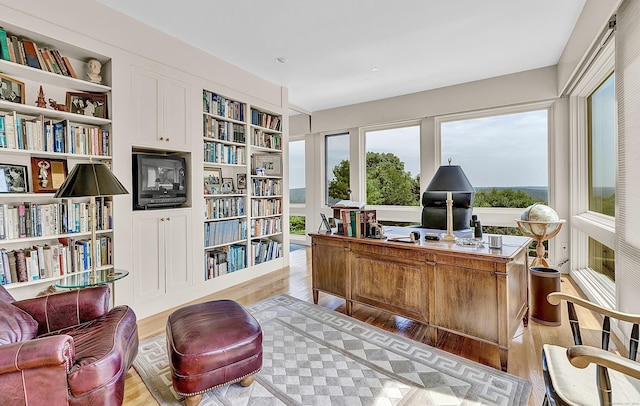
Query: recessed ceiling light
x,y
281,59
374,69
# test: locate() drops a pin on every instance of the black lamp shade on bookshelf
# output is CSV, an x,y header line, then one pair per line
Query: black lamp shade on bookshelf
x,y
90,179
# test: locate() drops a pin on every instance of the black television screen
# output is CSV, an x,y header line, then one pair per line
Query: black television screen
x,y
159,180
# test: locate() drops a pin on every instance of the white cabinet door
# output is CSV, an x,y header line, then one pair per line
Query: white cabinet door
x,y
149,257
161,110
178,243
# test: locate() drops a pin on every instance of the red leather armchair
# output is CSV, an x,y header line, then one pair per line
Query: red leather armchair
x,y
65,349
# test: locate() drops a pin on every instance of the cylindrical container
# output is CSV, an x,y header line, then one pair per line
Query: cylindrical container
x,y
542,282
495,241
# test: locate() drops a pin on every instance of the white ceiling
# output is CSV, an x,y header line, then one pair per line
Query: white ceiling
x,y
331,46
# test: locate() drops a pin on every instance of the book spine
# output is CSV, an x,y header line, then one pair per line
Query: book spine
x,y
4,45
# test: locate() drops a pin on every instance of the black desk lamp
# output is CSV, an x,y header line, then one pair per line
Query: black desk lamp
x,y
450,178
91,179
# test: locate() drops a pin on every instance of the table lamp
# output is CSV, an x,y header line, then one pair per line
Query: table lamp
x,y
450,178
91,179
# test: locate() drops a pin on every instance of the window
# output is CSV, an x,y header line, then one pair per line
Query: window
x,y
602,148
297,193
504,156
393,166
337,169
602,259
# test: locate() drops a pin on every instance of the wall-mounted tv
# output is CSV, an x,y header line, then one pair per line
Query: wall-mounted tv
x,y
158,181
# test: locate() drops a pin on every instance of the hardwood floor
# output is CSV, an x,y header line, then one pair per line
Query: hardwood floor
x,y
524,355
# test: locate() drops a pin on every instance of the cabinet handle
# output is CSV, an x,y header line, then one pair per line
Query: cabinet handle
x,y
168,218
161,218
167,139
161,138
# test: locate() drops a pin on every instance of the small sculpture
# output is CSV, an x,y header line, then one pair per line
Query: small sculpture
x,y
41,102
94,67
56,106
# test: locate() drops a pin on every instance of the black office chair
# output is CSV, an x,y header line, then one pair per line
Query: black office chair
x,y
434,210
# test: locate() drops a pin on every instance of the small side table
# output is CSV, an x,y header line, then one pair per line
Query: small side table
x,y
81,280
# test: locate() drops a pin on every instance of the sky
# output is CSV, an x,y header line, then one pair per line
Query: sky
x,y
498,151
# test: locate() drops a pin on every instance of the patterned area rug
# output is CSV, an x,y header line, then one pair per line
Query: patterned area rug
x,y
316,356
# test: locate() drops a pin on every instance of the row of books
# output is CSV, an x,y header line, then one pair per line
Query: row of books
x,y
266,226
266,140
41,134
27,52
266,207
265,120
213,103
225,260
30,219
222,207
356,222
265,250
224,232
266,187
223,130
49,261
216,152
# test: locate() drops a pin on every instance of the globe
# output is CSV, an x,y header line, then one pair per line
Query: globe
x,y
542,214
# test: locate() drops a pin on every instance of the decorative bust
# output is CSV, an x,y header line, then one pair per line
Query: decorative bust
x,y
94,66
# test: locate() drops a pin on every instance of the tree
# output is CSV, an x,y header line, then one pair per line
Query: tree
x,y
504,198
387,181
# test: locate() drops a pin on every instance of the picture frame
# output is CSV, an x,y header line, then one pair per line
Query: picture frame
x,y
47,174
270,163
227,185
13,179
87,104
242,180
11,89
212,180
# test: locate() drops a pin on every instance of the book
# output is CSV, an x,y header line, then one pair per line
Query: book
x,y
3,136
69,67
30,53
4,45
17,49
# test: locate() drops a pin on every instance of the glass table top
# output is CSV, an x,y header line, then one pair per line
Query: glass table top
x,y
85,279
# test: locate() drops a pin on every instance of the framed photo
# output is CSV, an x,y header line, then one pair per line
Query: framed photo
x,y
227,185
271,164
48,174
87,104
11,89
212,180
242,180
13,178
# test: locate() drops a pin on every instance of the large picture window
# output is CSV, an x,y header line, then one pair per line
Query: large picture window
x,y
337,168
504,156
393,166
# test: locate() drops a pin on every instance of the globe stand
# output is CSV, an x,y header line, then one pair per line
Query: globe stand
x,y
540,231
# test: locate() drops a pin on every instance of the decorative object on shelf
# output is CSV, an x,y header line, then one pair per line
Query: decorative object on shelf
x,y
212,180
271,163
41,101
48,174
11,89
88,104
57,106
242,180
91,179
93,70
450,178
541,223
13,178
227,185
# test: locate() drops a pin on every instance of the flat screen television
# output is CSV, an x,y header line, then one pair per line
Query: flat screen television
x,y
158,181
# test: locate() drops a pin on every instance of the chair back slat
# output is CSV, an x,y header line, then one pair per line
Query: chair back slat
x,y
575,324
633,342
606,332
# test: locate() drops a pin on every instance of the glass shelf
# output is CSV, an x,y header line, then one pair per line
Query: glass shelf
x,y
84,279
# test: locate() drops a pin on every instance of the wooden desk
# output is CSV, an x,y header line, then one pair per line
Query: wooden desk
x,y
476,292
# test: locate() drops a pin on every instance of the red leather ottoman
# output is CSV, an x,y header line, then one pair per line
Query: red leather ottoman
x,y
210,345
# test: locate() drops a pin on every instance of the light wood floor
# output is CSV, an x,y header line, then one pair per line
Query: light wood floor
x,y
524,354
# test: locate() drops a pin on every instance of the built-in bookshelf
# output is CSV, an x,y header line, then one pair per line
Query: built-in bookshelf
x,y
43,134
242,195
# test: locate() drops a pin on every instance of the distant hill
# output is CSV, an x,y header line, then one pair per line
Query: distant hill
x,y
536,192
297,195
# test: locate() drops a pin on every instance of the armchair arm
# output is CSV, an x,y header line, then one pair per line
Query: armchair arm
x,y
555,298
581,356
37,353
69,308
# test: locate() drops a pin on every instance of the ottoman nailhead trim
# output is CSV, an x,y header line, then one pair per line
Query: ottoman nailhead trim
x,y
217,386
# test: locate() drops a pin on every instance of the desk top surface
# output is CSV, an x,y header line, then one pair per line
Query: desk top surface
x,y
511,245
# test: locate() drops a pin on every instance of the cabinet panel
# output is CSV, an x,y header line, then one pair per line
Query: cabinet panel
x,y
146,91
178,242
329,269
176,105
148,239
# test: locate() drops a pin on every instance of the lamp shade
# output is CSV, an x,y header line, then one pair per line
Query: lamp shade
x,y
90,179
450,178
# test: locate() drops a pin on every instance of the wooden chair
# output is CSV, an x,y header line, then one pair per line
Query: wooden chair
x,y
584,375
